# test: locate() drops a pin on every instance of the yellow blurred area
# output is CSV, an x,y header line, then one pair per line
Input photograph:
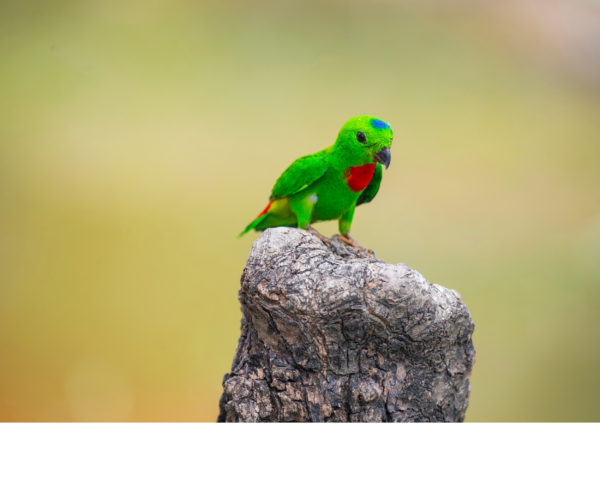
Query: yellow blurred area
x,y
137,139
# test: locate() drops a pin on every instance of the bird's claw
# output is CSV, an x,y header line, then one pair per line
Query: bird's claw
x,y
348,240
323,238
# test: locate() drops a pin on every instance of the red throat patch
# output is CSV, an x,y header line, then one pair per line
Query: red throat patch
x,y
357,178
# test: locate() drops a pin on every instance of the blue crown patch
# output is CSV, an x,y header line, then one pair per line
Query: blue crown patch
x,y
379,124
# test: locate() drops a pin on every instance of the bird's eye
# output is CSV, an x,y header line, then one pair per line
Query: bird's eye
x,y
360,136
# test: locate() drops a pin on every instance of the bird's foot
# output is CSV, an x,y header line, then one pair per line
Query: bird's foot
x,y
348,240
323,238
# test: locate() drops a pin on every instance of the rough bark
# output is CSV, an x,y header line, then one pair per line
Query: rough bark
x,y
333,335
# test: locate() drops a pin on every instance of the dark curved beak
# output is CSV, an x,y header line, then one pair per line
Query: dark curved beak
x,y
383,156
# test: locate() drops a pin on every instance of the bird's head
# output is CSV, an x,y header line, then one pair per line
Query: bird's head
x,y
364,140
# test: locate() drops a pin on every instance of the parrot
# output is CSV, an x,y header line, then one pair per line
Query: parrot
x,y
330,184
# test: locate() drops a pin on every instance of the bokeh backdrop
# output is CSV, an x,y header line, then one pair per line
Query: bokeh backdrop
x,y
138,138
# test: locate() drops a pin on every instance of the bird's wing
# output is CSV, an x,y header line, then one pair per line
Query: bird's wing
x,y
369,193
300,174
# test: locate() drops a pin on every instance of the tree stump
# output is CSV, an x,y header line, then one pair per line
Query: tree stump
x,y
330,334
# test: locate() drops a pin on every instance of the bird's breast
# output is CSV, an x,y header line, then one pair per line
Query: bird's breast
x,y
357,178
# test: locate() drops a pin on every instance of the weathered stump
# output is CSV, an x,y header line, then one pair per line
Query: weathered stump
x,y
333,335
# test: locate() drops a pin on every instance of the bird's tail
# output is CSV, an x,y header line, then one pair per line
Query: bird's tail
x,y
254,224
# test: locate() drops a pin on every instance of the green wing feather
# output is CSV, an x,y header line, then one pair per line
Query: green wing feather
x,y
254,224
300,174
369,193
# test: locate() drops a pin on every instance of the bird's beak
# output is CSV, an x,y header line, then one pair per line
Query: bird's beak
x,y
383,156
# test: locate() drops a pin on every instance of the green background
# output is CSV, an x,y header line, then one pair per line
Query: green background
x,y
137,139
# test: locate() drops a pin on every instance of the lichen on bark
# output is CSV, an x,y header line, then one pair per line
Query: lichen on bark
x,y
330,334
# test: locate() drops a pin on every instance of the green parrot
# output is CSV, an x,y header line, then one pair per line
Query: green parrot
x,y
328,185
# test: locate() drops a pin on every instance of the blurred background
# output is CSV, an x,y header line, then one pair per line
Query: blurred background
x,y
138,138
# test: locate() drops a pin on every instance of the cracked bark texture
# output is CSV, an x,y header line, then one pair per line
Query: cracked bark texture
x,y
333,335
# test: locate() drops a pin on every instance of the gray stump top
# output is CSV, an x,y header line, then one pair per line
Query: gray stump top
x,y
332,334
